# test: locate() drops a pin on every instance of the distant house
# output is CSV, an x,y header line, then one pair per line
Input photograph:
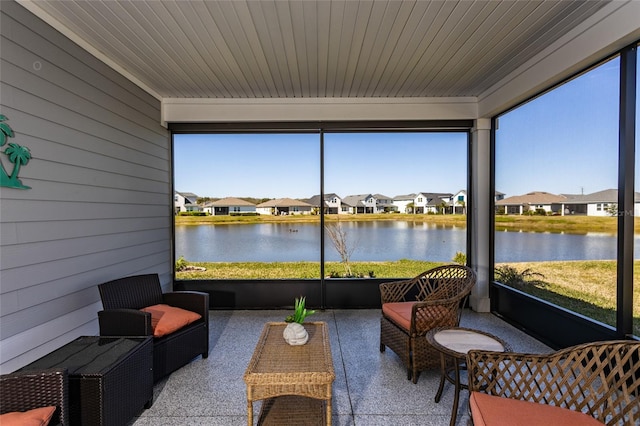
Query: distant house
x,y
460,201
229,205
360,204
432,202
332,203
601,203
404,203
284,206
384,204
185,201
532,201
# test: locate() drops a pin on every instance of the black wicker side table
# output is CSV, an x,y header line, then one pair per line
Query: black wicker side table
x,y
453,343
110,378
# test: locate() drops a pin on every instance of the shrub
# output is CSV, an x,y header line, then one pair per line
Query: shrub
x,y
508,275
460,258
181,264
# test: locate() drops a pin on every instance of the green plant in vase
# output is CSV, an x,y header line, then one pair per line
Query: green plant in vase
x,y
299,311
294,333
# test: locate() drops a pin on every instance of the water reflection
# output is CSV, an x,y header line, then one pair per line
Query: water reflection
x,y
380,241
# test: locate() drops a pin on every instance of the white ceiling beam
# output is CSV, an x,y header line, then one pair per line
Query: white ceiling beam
x,y
180,110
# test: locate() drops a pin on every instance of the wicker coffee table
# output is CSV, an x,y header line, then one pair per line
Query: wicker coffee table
x,y
277,370
453,343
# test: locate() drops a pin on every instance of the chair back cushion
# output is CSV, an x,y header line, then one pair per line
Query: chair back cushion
x,y
133,292
166,319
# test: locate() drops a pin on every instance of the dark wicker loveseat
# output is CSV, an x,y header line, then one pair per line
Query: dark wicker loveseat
x,y
410,308
122,300
27,390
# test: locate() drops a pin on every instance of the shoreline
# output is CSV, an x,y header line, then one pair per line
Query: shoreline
x,y
554,224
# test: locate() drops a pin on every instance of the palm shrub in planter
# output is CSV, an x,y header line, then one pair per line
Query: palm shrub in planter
x,y
295,333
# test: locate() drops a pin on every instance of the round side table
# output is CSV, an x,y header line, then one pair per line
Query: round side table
x,y
454,343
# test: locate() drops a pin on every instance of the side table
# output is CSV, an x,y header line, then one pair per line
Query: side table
x,y
110,378
454,343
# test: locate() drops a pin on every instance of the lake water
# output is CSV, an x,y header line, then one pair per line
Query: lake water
x,y
378,241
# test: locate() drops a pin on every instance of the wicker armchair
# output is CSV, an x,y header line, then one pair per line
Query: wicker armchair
x,y
122,300
601,380
35,389
412,307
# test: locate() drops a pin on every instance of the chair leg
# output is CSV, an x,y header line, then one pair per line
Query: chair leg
x,y
416,374
409,373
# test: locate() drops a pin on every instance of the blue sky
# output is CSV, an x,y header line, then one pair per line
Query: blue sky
x,y
286,165
564,141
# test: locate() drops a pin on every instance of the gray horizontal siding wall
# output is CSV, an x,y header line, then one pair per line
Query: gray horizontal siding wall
x,y
100,204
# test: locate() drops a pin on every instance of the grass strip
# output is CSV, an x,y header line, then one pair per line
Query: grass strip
x,y
585,287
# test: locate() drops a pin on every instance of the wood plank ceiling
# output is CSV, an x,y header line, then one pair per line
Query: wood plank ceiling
x,y
318,48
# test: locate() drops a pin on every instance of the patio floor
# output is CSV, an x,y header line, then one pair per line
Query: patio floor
x,y
371,388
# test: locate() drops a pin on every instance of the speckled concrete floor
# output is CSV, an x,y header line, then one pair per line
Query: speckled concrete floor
x,y
371,388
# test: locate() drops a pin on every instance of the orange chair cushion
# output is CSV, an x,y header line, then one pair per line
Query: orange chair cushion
x,y
36,417
166,319
497,411
399,313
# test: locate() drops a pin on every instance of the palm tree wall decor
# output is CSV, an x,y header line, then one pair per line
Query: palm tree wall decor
x,y
16,154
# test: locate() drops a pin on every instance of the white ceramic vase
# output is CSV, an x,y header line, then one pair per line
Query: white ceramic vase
x,y
295,334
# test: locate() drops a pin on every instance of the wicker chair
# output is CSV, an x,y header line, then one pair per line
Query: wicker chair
x,y
599,379
412,307
28,390
122,300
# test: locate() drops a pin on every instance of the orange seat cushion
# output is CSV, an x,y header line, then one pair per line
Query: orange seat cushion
x,y
399,313
36,417
166,319
497,411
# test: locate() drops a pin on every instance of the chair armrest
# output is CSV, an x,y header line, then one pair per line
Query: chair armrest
x,y
395,291
194,301
124,322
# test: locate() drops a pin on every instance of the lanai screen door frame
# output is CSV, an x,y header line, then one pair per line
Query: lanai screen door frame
x,y
322,128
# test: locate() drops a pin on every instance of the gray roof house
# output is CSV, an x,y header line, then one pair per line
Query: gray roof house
x,y
600,203
404,203
384,204
433,202
284,206
520,204
332,203
361,203
185,201
229,205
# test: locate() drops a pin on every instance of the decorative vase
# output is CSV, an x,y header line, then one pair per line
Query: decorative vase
x,y
295,334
